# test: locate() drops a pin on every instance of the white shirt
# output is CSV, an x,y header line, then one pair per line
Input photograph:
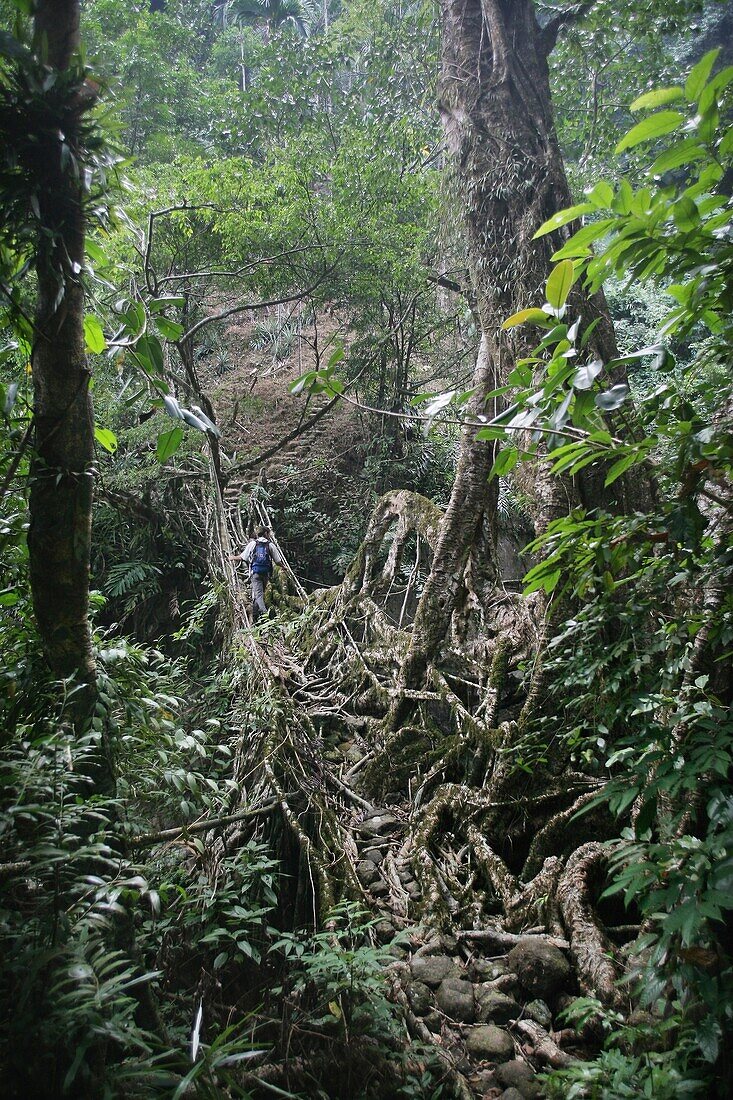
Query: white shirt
x,y
249,550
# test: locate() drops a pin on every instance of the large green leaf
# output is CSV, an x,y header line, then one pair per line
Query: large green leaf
x,y
563,217
657,98
559,283
168,443
698,77
93,335
106,439
526,317
664,122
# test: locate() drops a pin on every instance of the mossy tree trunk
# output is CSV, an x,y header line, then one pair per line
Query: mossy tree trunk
x,y
62,469
499,128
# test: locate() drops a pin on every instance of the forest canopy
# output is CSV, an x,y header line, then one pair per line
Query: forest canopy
x,y
366,618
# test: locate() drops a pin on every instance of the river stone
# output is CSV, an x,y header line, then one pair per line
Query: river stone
x,y
375,855
519,1076
455,997
496,1007
541,968
540,1013
379,888
490,1042
420,998
432,969
511,1094
367,872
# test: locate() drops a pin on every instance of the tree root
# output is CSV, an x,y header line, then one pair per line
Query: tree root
x,y
591,950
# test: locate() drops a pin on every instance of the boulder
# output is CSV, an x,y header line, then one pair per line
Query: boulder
x,y
540,1013
486,970
420,998
519,1076
495,1007
542,970
379,824
366,872
455,998
433,969
434,1022
490,1043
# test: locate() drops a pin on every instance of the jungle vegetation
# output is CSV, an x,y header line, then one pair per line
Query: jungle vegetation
x,y
442,294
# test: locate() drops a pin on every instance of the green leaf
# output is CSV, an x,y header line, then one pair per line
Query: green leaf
x,y
157,305
657,98
682,152
622,466
569,214
93,335
698,77
601,194
168,443
170,329
686,214
526,317
105,438
664,122
579,242
613,398
587,373
559,283
505,461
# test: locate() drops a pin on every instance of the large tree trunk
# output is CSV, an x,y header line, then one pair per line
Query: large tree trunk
x,y
62,471
499,128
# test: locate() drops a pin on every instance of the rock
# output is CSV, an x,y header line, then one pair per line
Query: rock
x,y
455,997
540,1013
379,888
374,855
495,1007
413,890
366,872
486,970
490,1043
420,998
384,930
519,1076
511,1094
379,824
482,1082
433,969
434,1021
542,969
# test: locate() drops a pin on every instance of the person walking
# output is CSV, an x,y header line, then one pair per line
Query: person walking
x,y
261,555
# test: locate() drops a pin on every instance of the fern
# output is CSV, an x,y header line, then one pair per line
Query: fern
x,y
128,575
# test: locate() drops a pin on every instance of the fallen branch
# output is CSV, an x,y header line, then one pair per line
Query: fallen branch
x,y
147,839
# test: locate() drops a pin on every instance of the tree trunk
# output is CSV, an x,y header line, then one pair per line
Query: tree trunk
x,y
498,123
62,470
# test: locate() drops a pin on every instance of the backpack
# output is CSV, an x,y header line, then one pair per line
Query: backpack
x,y
261,560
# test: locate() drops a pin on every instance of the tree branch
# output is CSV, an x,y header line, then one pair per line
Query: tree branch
x,y
551,30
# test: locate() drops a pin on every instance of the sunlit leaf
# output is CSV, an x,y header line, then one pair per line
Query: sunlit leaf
x,y
664,122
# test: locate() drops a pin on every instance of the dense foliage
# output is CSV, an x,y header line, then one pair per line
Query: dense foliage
x,y
282,164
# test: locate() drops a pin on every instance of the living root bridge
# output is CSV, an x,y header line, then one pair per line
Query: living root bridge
x,y
428,824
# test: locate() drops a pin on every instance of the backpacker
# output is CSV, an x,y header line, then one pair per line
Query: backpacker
x,y
261,561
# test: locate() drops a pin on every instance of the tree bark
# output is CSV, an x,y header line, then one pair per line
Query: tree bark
x,y
62,469
497,117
